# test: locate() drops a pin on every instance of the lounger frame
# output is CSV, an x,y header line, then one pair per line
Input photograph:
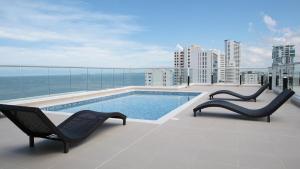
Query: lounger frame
x,y
241,97
77,127
266,111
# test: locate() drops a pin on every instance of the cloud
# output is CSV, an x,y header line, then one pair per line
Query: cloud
x,y
179,47
259,54
41,33
30,35
143,56
256,56
270,22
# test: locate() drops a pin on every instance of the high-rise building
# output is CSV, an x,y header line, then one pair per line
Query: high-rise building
x,y
283,59
181,64
232,61
204,64
159,77
221,68
283,54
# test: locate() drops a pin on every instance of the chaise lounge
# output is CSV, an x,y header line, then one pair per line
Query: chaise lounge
x,y
242,97
77,127
266,111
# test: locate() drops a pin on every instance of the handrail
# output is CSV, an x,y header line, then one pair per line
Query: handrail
x,y
93,67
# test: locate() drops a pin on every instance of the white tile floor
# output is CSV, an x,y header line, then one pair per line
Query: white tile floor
x,y
215,139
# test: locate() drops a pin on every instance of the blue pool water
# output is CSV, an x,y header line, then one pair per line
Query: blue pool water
x,y
146,105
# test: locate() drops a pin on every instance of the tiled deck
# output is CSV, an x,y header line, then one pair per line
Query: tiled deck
x,y
216,139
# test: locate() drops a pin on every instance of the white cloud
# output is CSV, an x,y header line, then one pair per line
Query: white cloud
x,y
179,47
70,35
149,56
260,53
256,56
270,22
30,35
287,37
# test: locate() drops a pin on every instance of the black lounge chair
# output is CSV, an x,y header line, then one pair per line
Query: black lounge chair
x,y
242,97
77,127
258,113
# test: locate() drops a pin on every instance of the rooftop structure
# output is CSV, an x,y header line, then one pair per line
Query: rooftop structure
x,y
203,64
232,61
215,139
283,54
176,140
221,68
181,63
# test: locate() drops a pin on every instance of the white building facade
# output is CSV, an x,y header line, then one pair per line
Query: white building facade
x,y
283,59
232,61
181,64
283,54
221,68
203,65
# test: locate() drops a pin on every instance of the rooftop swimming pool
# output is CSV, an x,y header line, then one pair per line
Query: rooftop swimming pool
x,y
143,105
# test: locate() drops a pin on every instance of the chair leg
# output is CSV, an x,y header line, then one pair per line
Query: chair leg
x,y
66,147
31,141
254,100
268,119
124,121
195,112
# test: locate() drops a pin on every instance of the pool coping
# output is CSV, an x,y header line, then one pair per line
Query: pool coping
x,y
161,120
90,94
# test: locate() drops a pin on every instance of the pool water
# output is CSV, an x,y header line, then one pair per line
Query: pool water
x,y
145,105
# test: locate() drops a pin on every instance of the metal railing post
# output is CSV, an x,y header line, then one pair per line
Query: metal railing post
x,y
262,80
188,77
240,79
284,81
270,81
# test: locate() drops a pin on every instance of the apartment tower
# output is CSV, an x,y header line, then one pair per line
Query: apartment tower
x,y
283,54
232,61
181,64
221,68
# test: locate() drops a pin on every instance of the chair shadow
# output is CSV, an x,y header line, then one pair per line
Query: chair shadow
x,y
2,115
233,99
228,116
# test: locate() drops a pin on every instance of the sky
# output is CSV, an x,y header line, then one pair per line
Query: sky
x,y
135,33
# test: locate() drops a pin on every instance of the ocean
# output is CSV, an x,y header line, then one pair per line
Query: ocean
x,y
15,87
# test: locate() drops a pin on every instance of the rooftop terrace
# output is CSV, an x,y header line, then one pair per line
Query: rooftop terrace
x,y
216,139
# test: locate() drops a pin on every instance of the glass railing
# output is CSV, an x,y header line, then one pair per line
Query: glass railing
x,y
229,76
31,81
291,72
